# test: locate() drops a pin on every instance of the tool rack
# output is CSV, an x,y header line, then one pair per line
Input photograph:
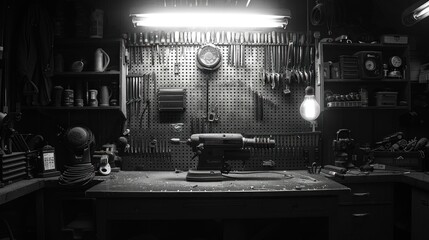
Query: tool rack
x,y
238,97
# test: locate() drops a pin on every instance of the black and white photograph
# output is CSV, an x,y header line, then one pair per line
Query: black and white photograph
x,y
214,119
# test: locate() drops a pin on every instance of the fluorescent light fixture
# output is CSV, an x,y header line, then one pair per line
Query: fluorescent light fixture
x,y
209,20
415,13
422,11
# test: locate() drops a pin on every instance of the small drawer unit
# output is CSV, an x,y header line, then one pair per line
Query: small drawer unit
x,y
368,206
171,99
386,99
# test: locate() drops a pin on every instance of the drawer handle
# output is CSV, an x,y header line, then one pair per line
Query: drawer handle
x,y
362,194
359,215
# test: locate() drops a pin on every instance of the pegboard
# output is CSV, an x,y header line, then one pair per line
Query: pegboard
x,y
231,89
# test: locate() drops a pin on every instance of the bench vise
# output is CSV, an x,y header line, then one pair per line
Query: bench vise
x,y
214,150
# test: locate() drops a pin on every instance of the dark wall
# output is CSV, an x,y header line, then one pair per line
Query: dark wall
x,y
360,20
366,20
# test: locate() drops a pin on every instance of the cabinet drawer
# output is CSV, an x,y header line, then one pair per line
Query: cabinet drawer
x,y
367,221
419,214
370,193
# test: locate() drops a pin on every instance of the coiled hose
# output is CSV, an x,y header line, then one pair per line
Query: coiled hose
x,y
77,175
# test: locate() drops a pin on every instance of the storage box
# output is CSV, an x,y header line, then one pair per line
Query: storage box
x,y
349,67
386,99
172,99
394,39
409,160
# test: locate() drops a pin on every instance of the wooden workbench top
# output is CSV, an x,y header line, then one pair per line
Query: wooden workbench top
x,y
20,188
173,184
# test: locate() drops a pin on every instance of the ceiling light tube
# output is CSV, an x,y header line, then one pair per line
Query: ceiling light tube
x,y
422,11
209,20
415,13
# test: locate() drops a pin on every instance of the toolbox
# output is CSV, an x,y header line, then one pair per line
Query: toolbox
x,y
394,39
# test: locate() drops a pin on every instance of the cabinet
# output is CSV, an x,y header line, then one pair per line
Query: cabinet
x,y
367,212
84,82
343,69
69,213
419,214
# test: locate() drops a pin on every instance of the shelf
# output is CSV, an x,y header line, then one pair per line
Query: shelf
x,y
202,43
86,74
366,108
86,41
47,108
363,45
358,80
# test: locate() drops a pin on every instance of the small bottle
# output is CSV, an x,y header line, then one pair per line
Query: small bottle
x,y
385,70
364,97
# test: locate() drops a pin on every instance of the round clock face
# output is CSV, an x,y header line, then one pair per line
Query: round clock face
x,y
370,65
396,61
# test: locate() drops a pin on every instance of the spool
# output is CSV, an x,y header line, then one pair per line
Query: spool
x,y
68,97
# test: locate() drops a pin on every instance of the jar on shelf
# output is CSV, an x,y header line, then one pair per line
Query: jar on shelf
x,y
364,97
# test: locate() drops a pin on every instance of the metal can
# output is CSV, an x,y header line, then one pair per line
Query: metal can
x,y
68,97
364,97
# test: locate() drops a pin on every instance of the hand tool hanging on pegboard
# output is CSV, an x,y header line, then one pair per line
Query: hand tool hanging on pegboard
x,y
153,76
152,48
176,54
128,101
139,97
135,97
258,101
140,47
127,40
288,73
134,48
143,96
147,96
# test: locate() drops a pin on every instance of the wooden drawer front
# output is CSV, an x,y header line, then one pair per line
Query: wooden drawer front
x,y
188,208
367,221
370,193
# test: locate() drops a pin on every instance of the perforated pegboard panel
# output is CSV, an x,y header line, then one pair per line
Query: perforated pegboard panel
x,y
229,88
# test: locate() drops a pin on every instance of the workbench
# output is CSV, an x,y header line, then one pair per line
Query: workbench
x,y
271,195
157,196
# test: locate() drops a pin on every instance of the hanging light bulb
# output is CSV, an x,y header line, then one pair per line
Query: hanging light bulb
x,y
310,108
